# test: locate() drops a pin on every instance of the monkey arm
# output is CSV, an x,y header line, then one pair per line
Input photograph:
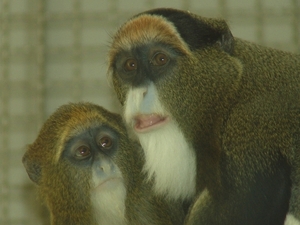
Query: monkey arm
x,y
261,200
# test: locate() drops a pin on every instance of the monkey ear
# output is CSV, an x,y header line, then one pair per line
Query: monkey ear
x,y
207,32
226,41
33,169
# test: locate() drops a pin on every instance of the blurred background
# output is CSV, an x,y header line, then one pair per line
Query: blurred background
x,y
54,51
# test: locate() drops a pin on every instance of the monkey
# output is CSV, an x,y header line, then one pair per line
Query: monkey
x,y
89,172
218,117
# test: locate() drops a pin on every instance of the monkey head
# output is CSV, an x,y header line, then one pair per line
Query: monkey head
x,y
77,166
159,54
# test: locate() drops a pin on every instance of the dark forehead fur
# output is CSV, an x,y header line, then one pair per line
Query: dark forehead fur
x,y
196,31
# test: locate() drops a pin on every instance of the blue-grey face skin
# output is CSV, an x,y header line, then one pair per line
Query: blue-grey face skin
x,y
95,148
145,63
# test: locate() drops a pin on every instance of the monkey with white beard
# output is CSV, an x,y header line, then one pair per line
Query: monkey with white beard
x,y
218,117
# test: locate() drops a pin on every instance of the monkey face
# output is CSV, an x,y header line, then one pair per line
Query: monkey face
x,y
96,148
142,69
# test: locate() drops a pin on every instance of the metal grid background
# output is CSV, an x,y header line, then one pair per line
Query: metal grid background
x,y
54,51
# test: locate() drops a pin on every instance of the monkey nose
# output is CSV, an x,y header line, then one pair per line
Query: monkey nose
x,y
105,166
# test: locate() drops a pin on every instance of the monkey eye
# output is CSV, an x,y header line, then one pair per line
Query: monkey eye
x,y
83,152
160,59
130,65
106,142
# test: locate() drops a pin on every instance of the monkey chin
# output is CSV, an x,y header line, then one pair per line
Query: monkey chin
x,y
108,200
148,122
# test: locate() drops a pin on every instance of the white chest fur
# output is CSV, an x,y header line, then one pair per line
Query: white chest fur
x,y
291,220
170,161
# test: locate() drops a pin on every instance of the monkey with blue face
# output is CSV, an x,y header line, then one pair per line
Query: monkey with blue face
x,y
218,117
88,172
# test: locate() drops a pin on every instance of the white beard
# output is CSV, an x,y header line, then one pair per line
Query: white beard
x,y
170,160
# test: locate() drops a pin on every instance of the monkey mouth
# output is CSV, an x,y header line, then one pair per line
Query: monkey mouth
x,y
147,122
109,183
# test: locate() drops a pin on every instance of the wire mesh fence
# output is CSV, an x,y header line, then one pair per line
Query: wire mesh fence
x,y
54,52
